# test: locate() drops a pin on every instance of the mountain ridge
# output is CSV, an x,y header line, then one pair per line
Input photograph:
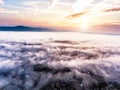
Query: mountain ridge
x,y
24,28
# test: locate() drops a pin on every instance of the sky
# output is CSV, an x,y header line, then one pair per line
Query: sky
x,y
70,14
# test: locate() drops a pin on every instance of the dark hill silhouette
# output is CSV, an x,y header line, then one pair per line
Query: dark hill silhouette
x,y
24,28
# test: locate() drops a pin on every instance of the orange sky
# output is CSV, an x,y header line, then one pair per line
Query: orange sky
x,y
75,14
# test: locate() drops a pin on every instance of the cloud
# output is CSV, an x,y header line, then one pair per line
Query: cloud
x,y
103,12
53,4
36,7
101,9
112,2
40,6
76,15
91,60
1,2
7,11
106,4
113,10
47,7
36,4
1,9
80,5
4,10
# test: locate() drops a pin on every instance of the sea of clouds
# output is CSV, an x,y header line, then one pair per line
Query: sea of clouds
x,y
59,61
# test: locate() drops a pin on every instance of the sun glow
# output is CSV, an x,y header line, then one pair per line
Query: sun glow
x,y
84,27
85,23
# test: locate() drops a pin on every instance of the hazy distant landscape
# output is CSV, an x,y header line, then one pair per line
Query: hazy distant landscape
x,y
24,28
113,30
59,61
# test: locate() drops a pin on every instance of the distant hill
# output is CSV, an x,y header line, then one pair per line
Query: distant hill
x,y
24,28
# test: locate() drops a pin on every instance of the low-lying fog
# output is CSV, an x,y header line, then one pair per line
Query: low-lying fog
x,y
59,61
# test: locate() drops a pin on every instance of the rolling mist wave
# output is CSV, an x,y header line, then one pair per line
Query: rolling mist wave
x,y
59,65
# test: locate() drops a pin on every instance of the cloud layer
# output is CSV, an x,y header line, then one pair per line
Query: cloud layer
x,y
47,64
1,2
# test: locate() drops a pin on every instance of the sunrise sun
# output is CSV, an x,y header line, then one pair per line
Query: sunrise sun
x,y
84,27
